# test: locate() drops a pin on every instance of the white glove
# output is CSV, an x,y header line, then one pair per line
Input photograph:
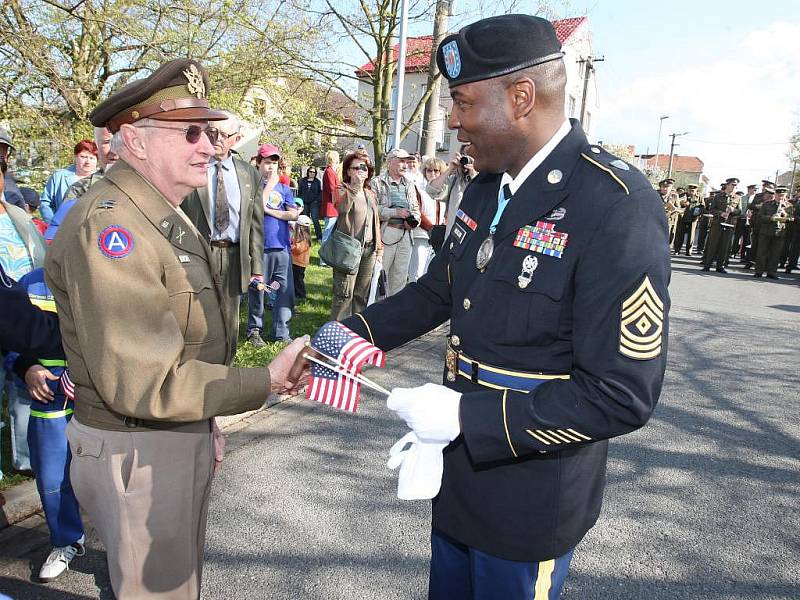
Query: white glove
x,y
431,411
421,465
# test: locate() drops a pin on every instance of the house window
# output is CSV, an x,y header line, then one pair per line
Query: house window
x,y
571,107
259,106
444,145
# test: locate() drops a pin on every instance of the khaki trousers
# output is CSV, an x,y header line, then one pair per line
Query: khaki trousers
x,y
147,495
396,256
351,292
226,268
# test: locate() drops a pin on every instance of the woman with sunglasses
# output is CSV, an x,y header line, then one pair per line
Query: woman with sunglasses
x,y
311,194
359,218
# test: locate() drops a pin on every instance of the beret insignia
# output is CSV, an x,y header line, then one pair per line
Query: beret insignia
x,y
194,81
641,323
452,59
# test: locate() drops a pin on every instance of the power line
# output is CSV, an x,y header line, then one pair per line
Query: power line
x,y
784,143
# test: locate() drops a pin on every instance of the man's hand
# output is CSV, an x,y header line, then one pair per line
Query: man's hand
x,y
402,213
288,371
431,411
36,378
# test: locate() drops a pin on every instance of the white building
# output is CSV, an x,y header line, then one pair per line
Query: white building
x,y
575,37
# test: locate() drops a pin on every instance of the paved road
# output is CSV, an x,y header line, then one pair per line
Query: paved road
x,y
702,503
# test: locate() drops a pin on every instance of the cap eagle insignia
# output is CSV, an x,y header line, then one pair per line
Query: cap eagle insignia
x,y
194,80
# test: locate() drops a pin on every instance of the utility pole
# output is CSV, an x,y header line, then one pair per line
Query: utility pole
x,y
400,78
658,141
587,73
672,150
794,171
432,123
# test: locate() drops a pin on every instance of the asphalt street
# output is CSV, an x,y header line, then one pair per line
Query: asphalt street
x,y
702,503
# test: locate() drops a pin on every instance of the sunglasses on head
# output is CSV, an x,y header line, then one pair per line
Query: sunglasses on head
x,y
360,168
192,132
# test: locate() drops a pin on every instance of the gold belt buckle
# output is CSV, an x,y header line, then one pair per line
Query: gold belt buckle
x,y
451,362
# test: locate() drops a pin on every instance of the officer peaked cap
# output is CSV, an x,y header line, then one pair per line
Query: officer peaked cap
x,y
176,91
497,46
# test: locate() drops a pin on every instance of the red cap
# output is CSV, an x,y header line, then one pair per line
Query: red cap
x,y
269,150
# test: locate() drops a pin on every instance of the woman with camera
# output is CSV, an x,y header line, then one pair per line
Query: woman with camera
x,y
359,218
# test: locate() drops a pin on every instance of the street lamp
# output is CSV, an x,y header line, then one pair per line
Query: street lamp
x,y
658,142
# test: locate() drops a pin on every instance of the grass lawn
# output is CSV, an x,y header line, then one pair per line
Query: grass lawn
x,y
309,315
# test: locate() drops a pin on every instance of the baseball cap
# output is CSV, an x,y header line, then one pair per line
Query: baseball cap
x,y
269,150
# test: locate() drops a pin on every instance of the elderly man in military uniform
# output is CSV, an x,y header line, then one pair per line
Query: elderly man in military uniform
x,y
724,209
558,320
146,339
772,217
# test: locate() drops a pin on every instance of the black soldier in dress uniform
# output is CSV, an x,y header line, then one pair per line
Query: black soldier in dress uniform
x,y
724,210
558,318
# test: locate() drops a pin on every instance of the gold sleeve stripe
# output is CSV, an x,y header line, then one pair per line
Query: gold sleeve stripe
x,y
505,425
607,170
369,331
568,435
536,435
580,435
546,434
561,436
544,580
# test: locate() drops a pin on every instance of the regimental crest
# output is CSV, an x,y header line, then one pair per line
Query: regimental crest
x,y
642,323
194,81
452,59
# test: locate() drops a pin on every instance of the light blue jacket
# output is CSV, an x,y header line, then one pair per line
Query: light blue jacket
x,y
54,191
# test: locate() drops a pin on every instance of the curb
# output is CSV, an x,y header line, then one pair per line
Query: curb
x,y
22,501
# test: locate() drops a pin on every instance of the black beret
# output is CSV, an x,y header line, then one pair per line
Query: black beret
x,y
176,91
497,46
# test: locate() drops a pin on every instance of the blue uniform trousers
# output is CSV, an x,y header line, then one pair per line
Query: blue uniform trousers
x,y
50,458
459,572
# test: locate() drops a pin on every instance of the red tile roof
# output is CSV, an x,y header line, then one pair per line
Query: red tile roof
x,y
685,164
418,49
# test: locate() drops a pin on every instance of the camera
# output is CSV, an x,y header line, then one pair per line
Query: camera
x,y
466,160
412,221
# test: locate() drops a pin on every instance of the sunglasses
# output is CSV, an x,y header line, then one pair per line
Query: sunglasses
x,y
433,170
360,168
192,133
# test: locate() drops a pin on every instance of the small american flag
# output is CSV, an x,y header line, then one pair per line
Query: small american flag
x,y
67,385
352,352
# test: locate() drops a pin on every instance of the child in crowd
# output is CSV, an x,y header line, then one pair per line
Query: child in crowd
x,y
301,253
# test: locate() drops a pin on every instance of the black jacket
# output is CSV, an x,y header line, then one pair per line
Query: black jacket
x,y
525,479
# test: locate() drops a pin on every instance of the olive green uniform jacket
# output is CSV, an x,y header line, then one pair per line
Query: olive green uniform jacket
x,y
140,314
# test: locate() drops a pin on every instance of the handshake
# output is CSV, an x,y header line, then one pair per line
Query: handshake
x,y
432,413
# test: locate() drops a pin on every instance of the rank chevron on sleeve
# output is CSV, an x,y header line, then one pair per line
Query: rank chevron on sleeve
x,y
642,323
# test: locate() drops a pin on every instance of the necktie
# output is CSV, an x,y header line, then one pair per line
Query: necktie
x,y
222,217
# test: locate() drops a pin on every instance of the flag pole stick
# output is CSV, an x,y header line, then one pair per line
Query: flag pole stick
x,y
335,366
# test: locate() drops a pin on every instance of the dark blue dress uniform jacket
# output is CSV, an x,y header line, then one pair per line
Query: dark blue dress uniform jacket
x,y
525,479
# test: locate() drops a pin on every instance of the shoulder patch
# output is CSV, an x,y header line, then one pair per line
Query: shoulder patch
x,y
115,241
641,323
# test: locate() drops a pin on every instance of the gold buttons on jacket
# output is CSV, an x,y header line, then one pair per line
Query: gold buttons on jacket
x,y
467,303
455,340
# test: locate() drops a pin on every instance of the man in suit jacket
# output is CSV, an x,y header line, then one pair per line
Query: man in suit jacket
x,y
228,214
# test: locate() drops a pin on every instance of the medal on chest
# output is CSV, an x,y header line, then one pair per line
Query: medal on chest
x,y
486,249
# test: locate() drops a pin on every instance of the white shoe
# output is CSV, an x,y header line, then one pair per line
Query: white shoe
x,y
59,558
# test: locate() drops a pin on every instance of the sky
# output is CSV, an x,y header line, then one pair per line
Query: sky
x,y
726,72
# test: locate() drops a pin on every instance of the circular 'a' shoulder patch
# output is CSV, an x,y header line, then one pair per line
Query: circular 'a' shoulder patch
x,y
115,241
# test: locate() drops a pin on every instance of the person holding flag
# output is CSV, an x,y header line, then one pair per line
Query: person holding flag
x,y
558,310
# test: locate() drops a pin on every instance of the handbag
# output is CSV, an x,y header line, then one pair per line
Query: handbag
x,y
342,252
